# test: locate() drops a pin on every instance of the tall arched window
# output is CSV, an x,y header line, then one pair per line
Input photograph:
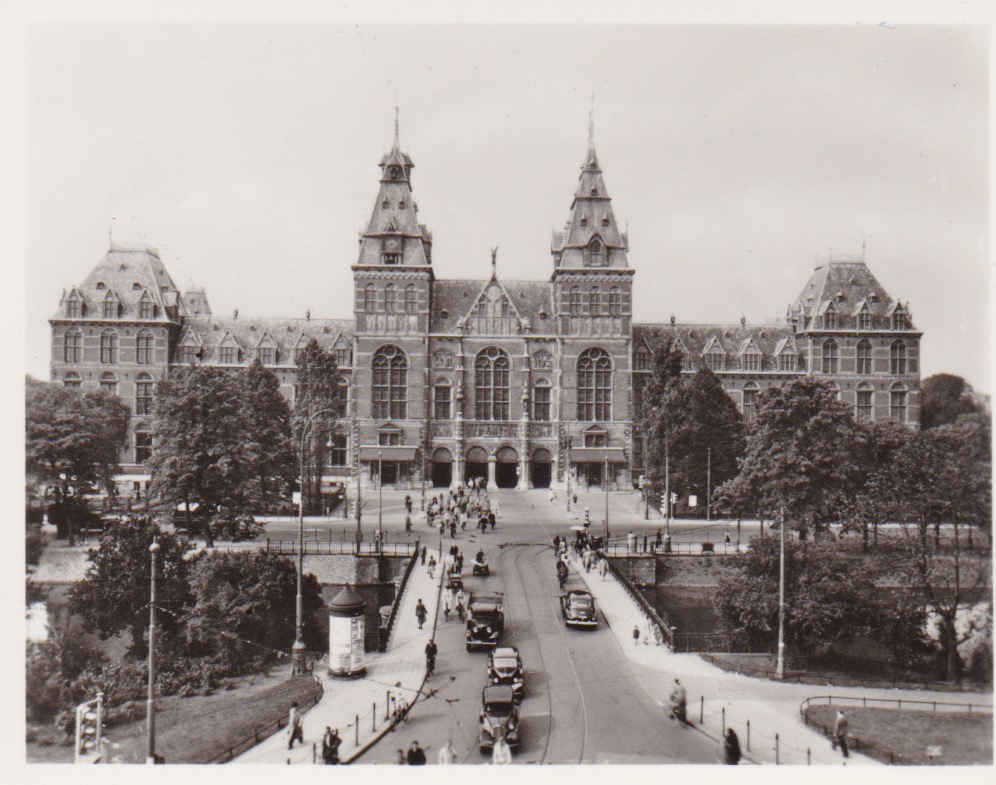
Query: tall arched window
x,y
108,348
594,386
389,298
390,384
897,403
575,301
143,394
441,399
594,301
410,298
595,253
864,357
370,298
143,445
615,304
830,357
897,357
491,384
73,348
143,349
541,400
109,383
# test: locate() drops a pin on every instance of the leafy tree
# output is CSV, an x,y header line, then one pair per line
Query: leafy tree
x,y
876,502
661,409
73,442
800,457
318,396
114,595
944,397
244,610
208,447
709,430
826,598
269,435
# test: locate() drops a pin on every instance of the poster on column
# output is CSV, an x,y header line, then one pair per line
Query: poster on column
x,y
356,637
340,643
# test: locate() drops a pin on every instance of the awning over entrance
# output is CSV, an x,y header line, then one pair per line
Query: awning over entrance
x,y
597,455
371,452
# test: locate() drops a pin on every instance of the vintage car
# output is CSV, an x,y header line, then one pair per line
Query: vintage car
x,y
505,667
485,620
578,609
499,717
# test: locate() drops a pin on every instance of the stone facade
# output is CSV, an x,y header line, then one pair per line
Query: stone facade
x,y
509,380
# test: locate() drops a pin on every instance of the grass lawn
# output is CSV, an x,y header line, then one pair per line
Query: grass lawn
x,y
200,728
964,739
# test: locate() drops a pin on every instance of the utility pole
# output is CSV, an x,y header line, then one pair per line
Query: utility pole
x,y
359,507
606,500
569,439
150,710
380,498
780,666
709,483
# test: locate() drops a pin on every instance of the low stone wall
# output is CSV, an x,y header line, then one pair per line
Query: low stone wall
x,y
639,570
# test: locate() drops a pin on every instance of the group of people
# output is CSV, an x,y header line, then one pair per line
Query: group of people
x,y
455,508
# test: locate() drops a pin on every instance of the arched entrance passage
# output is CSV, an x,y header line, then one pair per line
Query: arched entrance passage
x,y
442,468
541,468
477,464
507,468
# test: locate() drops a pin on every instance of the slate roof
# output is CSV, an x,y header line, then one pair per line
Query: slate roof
x,y
849,284
285,334
734,339
129,273
456,297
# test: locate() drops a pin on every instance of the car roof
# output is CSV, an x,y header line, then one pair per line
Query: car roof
x,y
498,693
505,651
580,593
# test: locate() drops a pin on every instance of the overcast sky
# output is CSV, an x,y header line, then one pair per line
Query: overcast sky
x,y
737,155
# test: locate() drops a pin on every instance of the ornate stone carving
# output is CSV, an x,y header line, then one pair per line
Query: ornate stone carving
x,y
442,429
495,430
538,430
542,360
442,359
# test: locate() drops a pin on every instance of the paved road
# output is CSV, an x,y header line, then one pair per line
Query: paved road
x,y
584,703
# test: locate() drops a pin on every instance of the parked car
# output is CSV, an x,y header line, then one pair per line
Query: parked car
x,y
578,609
499,714
505,667
485,619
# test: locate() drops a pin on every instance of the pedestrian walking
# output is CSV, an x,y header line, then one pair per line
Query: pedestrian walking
x,y
491,520
501,754
496,508
416,755
630,542
432,567
658,540
553,496
603,567
408,503
447,755
423,553
727,538
420,613
330,746
840,733
644,543
402,758
636,634
731,748
295,730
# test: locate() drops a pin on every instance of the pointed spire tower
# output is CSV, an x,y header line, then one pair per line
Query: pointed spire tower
x,y
393,235
591,236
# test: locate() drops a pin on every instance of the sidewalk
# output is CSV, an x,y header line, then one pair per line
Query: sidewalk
x,y
397,673
770,707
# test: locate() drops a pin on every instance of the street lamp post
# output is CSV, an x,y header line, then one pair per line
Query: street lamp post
x,y
667,487
380,499
606,501
150,710
646,484
780,666
297,650
709,483
568,470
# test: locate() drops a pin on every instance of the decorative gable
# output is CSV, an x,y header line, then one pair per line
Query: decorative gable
x,y
493,312
713,346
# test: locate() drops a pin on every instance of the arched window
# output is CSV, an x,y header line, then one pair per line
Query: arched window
x,y
390,384
595,253
73,347
410,298
594,301
370,298
863,410
897,403
109,383
389,298
441,401
830,357
541,400
143,393
143,348
594,386
491,384
143,445
864,357
72,380
897,358
575,307
615,303
750,401
108,348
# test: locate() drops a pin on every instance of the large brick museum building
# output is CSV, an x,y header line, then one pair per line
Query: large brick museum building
x,y
449,379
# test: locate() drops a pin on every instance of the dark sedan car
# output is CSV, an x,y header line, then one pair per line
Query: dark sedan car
x,y
578,609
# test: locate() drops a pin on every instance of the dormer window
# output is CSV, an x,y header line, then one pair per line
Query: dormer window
x,y
584,221
267,355
110,306
101,285
228,355
830,319
401,205
73,308
595,253
864,320
594,190
392,258
900,320
146,308
605,221
715,360
385,204
394,172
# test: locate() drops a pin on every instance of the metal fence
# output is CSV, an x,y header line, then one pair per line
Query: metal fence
x,y
898,703
314,548
663,628
622,548
385,633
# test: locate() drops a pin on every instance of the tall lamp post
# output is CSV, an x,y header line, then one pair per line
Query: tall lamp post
x,y
569,442
780,665
297,650
380,499
606,501
150,708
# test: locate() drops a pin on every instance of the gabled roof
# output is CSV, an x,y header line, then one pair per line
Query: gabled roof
x,y
728,338
845,283
286,334
452,300
126,273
